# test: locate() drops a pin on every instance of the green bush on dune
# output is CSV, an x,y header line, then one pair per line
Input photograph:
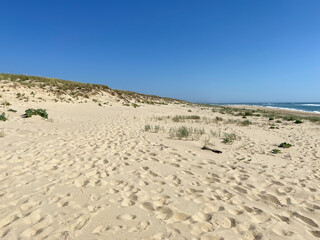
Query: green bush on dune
x,y
285,145
3,117
275,151
41,112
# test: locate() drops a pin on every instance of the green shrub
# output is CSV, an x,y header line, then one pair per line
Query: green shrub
x,y
275,151
12,110
147,128
278,121
285,145
271,118
41,112
219,118
298,121
3,117
248,113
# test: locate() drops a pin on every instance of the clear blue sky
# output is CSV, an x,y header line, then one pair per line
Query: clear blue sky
x,y
204,51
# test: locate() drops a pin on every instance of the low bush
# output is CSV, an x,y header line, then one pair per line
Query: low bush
x,y
12,110
298,121
275,151
285,145
31,112
3,117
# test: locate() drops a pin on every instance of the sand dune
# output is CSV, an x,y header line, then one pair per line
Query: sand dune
x,y
93,172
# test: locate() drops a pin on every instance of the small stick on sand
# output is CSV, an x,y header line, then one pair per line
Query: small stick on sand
x,y
210,149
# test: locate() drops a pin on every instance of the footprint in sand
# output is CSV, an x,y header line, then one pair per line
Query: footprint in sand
x,y
126,217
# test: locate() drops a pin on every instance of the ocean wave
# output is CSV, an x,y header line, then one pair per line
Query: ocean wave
x,y
311,104
293,109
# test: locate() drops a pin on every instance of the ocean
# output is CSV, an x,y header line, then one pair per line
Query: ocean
x,y
301,106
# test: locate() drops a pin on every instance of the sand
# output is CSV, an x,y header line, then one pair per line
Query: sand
x,y
92,172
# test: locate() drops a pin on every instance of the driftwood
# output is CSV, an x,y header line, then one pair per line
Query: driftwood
x,y
210,149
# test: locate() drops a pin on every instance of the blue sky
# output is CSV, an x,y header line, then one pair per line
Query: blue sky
x,y
203,51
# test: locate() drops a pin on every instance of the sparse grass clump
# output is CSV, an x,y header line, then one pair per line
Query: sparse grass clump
x,y
31,112
2,133
180,118
3,117
153,129
5,103
275,151
186,133
298,121
215,134
183,132
147,128
12,110
219,119
245,123
229,138
285,145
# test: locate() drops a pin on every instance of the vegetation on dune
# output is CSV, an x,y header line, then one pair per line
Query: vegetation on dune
x,y
12,110
3,117
180,118
285,145
186,133
229,138
77,89
275,151
5,103
270,114
33,112
152,129
298,121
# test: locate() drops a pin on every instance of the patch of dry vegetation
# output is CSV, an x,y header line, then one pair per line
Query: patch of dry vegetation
x,y
66,91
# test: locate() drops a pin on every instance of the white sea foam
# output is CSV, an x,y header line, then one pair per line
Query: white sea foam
x,y
293,109
311,104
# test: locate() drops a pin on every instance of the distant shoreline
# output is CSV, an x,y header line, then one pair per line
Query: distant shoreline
x,y
276,107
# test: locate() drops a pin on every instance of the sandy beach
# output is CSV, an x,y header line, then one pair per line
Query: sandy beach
x,y
121,172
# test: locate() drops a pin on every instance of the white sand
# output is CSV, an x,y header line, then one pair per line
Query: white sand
x,y
93,173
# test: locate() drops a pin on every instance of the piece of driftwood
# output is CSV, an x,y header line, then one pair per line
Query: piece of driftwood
x,y
210,149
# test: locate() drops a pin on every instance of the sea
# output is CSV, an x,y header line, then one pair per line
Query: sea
x,y
299,106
